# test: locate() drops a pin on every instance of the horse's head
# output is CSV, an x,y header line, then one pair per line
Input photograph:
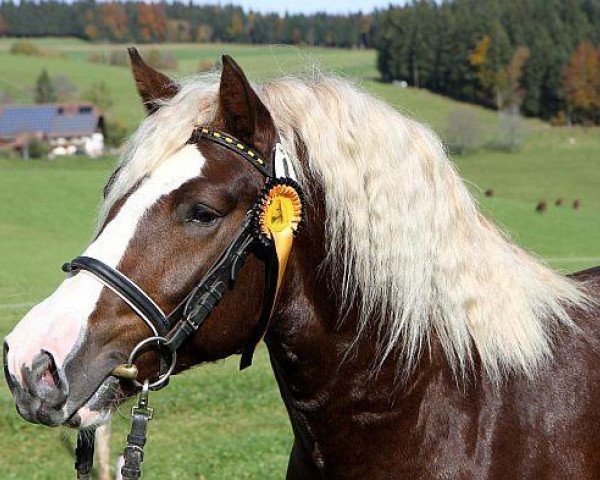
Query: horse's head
x,y
164,233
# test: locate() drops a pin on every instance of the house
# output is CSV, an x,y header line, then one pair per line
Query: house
x,y
67,128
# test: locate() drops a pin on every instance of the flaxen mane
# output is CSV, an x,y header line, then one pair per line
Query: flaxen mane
x,y
413,243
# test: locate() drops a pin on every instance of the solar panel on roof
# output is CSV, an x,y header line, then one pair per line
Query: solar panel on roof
x,y
46,119
74,124
17,120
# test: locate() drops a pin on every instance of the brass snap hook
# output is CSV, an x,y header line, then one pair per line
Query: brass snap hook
x,y
125,371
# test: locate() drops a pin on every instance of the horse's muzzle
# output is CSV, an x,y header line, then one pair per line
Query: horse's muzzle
x,y
44,392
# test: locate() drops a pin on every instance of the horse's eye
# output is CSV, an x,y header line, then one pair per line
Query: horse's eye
x,y
202,214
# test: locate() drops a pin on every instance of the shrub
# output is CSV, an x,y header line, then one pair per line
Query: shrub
x,y
463,133
154,57
53,89
114,57
95,58
25,47
99,94
9,153
5,97
63,88
510,134
205,66
118,58
115,132
160,60
37,149
560,119
169,61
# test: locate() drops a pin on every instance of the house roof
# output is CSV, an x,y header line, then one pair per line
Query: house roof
x,y
51,120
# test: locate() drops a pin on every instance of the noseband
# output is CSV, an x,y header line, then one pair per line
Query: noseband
x,y
267,231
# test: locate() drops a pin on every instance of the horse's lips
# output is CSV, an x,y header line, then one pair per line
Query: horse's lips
x,y
102,399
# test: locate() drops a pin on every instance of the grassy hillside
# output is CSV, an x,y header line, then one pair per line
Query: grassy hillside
x,y
215,422
549,167
555,162
19,72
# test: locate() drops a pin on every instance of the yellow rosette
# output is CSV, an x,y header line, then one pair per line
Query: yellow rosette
x,y
278,219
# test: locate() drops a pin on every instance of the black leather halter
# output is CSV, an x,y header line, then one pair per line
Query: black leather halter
x,y
172,330
191,313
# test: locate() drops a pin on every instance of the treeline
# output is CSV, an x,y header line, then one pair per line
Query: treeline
x,y
181,22
539,56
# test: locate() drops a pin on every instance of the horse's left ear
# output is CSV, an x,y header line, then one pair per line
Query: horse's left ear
x,y
244,115
151,84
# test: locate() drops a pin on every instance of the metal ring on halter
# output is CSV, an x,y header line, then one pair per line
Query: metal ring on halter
x,y
161,378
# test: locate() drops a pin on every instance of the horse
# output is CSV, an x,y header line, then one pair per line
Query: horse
x,y
408,335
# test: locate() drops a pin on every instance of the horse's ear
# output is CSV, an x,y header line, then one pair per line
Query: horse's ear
x,y
151,84
241,111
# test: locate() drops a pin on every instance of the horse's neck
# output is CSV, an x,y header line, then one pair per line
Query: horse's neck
x,y
329,386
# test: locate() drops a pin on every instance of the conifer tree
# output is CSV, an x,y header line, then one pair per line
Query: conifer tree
x,y
44,90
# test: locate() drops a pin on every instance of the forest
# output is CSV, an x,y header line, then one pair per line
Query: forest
x,y
181,22
537,57
541,57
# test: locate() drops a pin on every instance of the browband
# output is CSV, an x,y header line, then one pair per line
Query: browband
x,y
231,143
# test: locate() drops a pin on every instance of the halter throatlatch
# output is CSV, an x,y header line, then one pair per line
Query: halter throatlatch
x,y
268,231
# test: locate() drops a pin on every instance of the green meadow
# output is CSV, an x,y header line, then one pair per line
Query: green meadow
x,y
215,422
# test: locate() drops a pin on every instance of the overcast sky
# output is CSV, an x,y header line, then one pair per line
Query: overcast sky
x,y
308,6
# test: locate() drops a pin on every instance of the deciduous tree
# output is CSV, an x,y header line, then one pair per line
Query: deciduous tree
x,y
581,83
152,21
114,19
235,31
510,89
3,26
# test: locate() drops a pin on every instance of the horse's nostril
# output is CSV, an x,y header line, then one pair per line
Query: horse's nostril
x,y
9,379
50,376
45,381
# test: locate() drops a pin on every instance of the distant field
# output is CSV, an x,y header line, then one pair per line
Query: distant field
x,y
18,73
214,422
261,61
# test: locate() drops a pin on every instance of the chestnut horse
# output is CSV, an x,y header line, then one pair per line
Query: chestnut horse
x,y
409,339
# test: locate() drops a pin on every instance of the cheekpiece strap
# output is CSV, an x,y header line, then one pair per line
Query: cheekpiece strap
x,y
251,154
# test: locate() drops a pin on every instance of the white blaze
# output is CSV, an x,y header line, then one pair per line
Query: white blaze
x,y
58,324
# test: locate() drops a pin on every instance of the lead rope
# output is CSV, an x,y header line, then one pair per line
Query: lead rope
x,y
84,454
134,451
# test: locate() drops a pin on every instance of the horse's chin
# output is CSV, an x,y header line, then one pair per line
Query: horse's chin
x,y
87,418
97,409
